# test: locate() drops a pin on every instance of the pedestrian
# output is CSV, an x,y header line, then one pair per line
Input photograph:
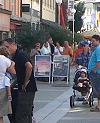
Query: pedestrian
x,y
77,52
45,50
83,58
34,52
94,70
26,83
51,45
58,49
5,93
67,49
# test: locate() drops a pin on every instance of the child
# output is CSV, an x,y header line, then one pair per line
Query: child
x,y
83,82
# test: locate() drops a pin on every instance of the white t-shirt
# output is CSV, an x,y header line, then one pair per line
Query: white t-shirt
x,y
45,50
7,81
4,64
57,51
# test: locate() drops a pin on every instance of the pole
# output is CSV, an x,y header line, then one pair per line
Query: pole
x,y
31,15
73,28
59,13
73,23
41,10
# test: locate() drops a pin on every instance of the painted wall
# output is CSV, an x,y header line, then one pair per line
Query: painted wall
x,y
35,11
12,5
48,10
4,22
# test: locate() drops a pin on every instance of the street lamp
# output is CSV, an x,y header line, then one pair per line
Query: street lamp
x,y
73,12
59,3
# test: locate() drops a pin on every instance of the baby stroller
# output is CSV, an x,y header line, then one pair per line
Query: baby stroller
x,y
84,88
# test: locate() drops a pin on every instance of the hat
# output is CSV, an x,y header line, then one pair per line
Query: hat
x,y
85,42
84,70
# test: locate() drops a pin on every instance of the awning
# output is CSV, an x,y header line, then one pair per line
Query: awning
x,y
15,24
91,32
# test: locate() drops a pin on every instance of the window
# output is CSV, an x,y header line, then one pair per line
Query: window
x,y
48,3
45,2
37,1
4,35
51,4
98,8
25,7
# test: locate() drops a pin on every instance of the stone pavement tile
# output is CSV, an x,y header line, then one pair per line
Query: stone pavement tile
x,y
46,94
79,121
80,114
51,111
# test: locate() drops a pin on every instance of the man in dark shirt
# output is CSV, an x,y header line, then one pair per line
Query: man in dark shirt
x,y
26,83
52,47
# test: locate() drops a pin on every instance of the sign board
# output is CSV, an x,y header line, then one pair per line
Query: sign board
x,y
60,66
42,66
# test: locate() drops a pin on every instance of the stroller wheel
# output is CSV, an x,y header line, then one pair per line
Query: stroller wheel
x,y
91,100
71,101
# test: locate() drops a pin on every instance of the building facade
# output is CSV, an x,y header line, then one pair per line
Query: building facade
x,y
48,10
40,11
9,17
91,18
33,12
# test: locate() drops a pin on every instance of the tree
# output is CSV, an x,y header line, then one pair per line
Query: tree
x,y
24,37
27,38
80,10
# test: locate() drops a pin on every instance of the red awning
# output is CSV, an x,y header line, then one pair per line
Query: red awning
x,y
14,25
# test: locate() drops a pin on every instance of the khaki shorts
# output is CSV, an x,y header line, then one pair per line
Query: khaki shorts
x,y
5,104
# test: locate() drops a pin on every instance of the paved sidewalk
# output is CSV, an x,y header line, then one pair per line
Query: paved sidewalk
x,y
50,112
52,105
80,114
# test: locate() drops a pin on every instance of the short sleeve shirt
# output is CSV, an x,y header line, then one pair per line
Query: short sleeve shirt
x,y
95,57
20,60
4,64
57,51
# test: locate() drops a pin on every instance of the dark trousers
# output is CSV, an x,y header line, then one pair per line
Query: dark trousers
x,y
14,105
24,107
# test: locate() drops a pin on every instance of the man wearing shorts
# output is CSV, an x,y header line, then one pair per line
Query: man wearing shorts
x,y
94,70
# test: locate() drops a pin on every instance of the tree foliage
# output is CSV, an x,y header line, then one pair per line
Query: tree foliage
x,y
27,38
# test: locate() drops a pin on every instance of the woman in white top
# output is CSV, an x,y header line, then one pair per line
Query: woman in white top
x,y
58,49
45,50
5,94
